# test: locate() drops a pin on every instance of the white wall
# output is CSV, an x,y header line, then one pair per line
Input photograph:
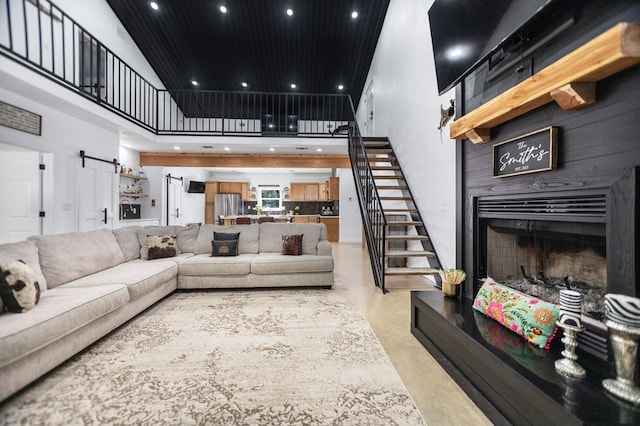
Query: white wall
x,y
350,218
407,110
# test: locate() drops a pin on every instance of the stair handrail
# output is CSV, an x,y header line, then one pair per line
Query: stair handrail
x,y
373,219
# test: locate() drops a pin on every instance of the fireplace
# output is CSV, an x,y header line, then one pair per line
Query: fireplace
x,y
540,244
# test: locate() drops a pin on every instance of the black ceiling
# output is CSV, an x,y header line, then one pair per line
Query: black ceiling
x,y
319,47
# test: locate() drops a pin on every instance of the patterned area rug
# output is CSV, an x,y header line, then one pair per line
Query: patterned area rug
x,y
227,358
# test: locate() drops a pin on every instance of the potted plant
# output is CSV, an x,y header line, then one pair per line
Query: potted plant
x,y
258,209
297,210
451,280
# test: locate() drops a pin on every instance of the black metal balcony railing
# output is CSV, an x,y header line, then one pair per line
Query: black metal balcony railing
x,y
40,36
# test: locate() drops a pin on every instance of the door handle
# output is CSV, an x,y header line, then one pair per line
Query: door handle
x,y
105,215
177,213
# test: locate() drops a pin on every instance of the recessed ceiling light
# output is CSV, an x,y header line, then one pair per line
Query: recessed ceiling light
x,y
193,82
340,87
244,84
293,85
319,149
290,12
354,15
154,5
177,148
223,9
226,148
272,149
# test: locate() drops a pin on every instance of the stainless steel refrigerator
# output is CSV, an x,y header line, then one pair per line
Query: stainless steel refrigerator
x,y
227,205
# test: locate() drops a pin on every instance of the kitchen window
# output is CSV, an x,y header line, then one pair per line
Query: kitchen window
x,y
270,198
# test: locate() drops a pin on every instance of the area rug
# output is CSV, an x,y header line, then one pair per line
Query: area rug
x,y
273,357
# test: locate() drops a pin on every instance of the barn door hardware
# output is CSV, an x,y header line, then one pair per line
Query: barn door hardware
x,y
114,161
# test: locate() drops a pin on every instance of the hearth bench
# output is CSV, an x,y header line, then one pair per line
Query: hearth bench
x,y
511,380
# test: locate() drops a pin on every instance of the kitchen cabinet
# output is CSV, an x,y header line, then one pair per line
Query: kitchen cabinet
x,y
323,191
333,227
210,191
305,218
334,189
246,192
298,191
311,192
305,192
230,187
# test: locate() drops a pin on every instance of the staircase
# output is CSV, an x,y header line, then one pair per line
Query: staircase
x,y
397,238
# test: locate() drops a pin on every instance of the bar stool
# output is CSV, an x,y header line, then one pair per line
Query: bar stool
x,y
263,219
243,220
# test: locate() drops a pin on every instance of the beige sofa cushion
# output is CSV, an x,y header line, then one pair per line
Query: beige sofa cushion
x,y
66,257
269,264
247,244
140,278
127,239
27,251
271,236
205,265
60,311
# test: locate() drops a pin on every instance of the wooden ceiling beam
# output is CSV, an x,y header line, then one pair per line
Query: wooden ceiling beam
x,y
187,159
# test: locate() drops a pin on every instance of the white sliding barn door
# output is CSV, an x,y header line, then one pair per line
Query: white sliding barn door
x,y
97,184
174,201
20,192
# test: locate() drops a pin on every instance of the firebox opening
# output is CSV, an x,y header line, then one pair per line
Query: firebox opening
x,y
540,258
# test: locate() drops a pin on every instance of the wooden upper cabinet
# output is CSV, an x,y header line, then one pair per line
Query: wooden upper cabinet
x,y
312,192
298,191
334,189
210,191
246,191
230,187
323,191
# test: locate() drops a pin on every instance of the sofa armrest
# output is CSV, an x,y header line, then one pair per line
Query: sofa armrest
x,y
324,248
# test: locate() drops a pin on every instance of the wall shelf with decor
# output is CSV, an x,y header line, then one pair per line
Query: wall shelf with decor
x,y
570,81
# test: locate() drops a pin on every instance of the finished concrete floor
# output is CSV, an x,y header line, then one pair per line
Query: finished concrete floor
x,y
438,397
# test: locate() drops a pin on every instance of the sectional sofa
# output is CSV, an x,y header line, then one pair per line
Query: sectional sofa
x,y
93,282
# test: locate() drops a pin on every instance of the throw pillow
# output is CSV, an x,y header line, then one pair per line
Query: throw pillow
x,y
531,318
292,244
224,248
225,236
19,288
160,246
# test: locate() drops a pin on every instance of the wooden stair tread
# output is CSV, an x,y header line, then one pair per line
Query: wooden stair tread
x,y
411,271
391,187
409,253
388,177
393,211
396,198
407,237
385,167
404,222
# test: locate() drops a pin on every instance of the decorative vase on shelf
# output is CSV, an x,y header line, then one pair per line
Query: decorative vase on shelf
x,y
451,289
622,318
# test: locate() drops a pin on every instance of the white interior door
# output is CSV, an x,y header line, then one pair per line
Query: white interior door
x,y
174,201
97,183
20,191
368,100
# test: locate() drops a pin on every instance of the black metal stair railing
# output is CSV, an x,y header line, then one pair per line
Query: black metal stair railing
x,y
373,219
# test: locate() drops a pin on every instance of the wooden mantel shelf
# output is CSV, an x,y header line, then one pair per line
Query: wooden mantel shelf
x,y
569,81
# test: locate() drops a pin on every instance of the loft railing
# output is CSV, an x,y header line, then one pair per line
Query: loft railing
x,y
251,113
39,35
373,219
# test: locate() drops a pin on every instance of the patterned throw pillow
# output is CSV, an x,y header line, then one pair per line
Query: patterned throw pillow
x,y
224,248
19,288
292,244
531,318
161,246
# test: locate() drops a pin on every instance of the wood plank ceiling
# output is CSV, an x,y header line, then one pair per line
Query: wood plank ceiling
x,y
318,47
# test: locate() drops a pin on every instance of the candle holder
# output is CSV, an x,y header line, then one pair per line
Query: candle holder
x,y
568,365
624,341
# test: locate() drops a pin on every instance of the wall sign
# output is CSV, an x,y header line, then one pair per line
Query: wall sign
x,y
530,153
20,119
